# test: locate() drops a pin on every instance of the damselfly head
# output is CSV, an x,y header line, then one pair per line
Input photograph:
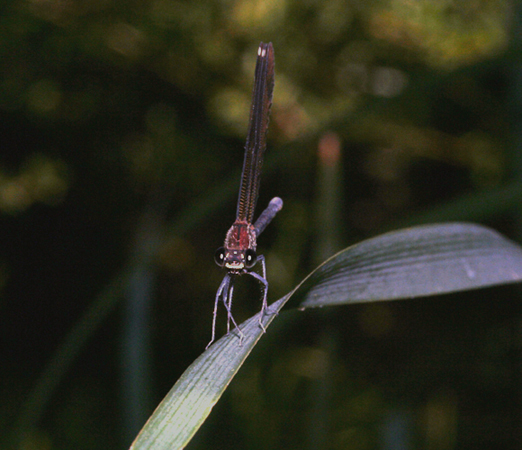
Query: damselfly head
x,y
235,260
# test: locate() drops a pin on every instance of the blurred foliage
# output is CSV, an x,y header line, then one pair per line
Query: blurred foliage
x,y
106,106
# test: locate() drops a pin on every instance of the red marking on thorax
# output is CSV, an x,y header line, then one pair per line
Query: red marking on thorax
x,y
241,236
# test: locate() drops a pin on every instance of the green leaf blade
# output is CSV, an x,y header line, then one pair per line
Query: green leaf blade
x,y
414,262
192,398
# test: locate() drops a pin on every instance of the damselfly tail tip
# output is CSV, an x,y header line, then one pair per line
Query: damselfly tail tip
x,y
277,203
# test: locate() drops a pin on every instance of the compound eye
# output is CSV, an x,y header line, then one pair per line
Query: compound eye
x,y
219,256
250,258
